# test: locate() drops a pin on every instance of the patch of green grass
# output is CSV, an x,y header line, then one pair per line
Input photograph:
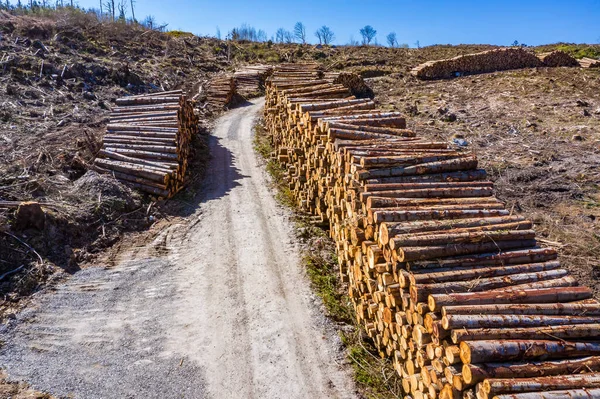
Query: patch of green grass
x,y
323,276
179,33
262,145
580,50
375,377
590,203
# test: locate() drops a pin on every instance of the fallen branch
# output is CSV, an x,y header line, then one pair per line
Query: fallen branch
x,y
25,244
11,272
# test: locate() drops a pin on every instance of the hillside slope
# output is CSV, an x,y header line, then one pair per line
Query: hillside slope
x,y
60,75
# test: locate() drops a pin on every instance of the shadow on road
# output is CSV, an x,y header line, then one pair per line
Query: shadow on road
x,y
213,175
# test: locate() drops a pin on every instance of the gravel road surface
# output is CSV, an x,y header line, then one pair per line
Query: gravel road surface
x,y
215,307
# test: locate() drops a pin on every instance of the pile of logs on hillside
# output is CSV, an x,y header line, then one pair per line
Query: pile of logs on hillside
x,y
355,83
586,62
147,141
250,80
449,284
486,61
220,91
557,59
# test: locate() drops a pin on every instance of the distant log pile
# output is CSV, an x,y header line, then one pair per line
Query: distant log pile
x,y
220,91
486,61
250,81
355,83
586,62
557,59
450,285
147,141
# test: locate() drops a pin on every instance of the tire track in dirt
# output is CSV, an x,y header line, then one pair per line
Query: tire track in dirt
x,y
218,307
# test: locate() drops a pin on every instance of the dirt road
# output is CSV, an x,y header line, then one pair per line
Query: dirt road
x,y
215,307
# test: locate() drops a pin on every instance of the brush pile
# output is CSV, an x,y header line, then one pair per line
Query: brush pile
x,y
486,61
450,285
250,81
586,62
147,142
557,59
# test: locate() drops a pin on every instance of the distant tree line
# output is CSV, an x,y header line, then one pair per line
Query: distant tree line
x,y
324,36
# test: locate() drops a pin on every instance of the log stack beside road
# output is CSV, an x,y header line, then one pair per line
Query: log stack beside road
x,y
450,285
250,80
147,141
220,91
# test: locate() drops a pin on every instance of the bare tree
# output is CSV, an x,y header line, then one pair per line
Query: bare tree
x,y
261,36
391,39
121,8
319,36
325,35
289,37
300,32
110,8
247,32
132,2
218,33
280,35
353,42
150,22
368,33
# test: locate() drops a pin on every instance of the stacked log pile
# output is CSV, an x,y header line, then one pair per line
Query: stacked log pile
x,y
250,80
450,285
355,83
586,62
557,59
220,91
147,141
486,61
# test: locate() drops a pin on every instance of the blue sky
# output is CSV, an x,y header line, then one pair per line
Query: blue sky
x,y
429,22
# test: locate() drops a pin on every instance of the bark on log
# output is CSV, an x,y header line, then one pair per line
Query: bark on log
x,y
567,332
497,386
505,350
474,373
546,295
